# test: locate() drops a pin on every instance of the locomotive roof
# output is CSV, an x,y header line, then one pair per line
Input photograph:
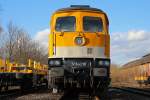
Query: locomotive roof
x,y
83,8
79,7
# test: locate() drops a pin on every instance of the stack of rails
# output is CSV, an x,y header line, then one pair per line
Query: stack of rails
x,y
26,76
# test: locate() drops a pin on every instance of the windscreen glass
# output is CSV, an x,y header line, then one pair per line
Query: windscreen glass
x,y
92,24
65,24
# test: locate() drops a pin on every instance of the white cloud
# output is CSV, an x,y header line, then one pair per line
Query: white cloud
x,y
126,46
42,37
136,35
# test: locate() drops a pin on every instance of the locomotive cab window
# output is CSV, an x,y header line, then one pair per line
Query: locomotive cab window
x,y
92,24
65,24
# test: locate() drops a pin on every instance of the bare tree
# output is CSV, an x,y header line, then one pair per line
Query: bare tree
x,y
11,40
1,41
20,47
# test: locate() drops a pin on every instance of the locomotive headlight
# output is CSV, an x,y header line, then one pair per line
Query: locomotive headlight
x,y
51,62
106,63
103,63
100,63
54,63
57,62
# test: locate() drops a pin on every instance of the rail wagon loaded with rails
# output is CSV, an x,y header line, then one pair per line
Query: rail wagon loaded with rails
x,y
26,76
79,49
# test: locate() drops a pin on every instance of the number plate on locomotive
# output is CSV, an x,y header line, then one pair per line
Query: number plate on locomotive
x,y
77,63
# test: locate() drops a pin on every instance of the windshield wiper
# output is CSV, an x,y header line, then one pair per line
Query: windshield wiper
x,y
62,33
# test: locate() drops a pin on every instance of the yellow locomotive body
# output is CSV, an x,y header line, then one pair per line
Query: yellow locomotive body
x,y
79,48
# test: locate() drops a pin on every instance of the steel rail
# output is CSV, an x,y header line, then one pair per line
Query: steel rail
x,y
134,90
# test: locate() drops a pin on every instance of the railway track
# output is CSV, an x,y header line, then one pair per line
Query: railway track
x,y
82,96
9,93
78,95
134,90
74,94
19,92
69,95
120,93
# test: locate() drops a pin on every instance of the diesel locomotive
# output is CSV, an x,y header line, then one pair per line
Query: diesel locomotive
x,y
79,49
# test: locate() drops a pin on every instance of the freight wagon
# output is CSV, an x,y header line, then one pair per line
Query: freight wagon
x,y
26,76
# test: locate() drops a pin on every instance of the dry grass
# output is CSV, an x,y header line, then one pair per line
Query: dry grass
x,y
123,77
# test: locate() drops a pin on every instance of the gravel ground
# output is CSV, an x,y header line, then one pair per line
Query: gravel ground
x,y
44,96
38,95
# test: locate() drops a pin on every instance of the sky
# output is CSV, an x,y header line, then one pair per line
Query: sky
x,y
129,22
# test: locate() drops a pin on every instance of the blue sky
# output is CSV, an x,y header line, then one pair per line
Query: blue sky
x,y
127,17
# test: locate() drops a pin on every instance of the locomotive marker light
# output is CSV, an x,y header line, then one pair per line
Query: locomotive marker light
x,y
103,63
